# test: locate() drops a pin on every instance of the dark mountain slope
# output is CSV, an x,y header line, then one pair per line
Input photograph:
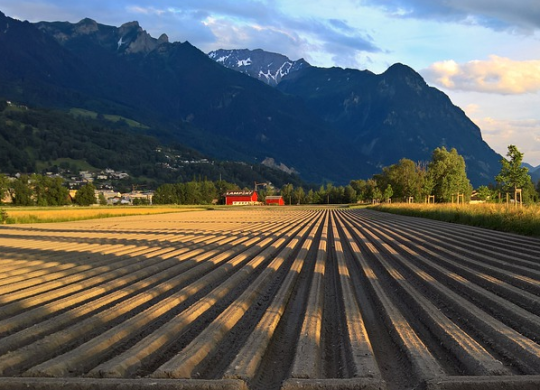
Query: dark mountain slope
x,y
393,115
34,140
327,124
33,67
175,86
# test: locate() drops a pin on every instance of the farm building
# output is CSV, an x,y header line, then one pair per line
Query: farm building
x,y
274,200
237,198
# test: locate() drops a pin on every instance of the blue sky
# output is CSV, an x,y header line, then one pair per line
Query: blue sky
x,y
484,54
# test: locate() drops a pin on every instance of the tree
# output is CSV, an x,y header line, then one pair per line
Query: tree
x,y
425,180
49,191
447,172
371,190
334,195
86,195
360,187
21,192
405,178
102,199
529,193
320,196
350,194
4,186
298,195
377,194
388,192
56,193
310,197
166,194
484,193
192,193
513,176
286,193
140,202
208,192
39,186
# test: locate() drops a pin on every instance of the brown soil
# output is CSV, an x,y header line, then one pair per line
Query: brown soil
x,y
268,298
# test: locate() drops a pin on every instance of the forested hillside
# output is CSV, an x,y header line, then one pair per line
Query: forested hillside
x,y
38,140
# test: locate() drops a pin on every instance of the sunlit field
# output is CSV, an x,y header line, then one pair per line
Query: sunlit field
x,y
63,214
509,218
268,298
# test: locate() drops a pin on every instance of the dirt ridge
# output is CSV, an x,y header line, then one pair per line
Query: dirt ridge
x,y
318,298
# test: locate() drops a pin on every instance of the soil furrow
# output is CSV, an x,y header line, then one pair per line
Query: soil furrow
x,y
524,352
308,358
425,364
88,355
249,359
268,298
361,358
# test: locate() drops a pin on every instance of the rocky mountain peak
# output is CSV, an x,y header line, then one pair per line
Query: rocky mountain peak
x,y
163,38
129,38
86,26
133,39
129,26
262,65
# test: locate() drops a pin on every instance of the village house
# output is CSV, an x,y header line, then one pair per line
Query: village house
x,y
275,200
241,198
132,197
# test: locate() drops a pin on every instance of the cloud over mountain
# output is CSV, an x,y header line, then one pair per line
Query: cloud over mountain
x,y
501,133
520,16
234,25
495,75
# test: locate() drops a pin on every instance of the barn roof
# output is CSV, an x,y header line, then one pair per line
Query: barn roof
x,y
239,193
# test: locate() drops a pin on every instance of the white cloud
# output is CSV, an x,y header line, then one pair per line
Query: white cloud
x,y
495,75
472,108
249,35
525,134
145,10
521,16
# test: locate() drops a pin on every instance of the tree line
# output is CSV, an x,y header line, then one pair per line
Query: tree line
x,y
443,178
40,190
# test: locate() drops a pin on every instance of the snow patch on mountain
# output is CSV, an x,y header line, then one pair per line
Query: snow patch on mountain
x,y
262,65
244,62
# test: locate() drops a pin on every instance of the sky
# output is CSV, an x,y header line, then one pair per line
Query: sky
x,y
484,54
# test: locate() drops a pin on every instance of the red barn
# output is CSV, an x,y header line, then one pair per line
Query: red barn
x,y
237,198
275,200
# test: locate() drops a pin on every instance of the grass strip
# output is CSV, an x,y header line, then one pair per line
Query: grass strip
x,y
29,215
523,220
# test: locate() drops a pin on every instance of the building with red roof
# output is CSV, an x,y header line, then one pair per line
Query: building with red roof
x,y
274,200
241,198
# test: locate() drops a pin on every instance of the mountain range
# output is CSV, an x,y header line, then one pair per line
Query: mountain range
x,y
324,124
268,67
534,172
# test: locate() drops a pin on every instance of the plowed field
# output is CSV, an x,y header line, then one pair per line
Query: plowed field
x,y
268,298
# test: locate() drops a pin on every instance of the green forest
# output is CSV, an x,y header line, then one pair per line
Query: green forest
x,y
40,141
